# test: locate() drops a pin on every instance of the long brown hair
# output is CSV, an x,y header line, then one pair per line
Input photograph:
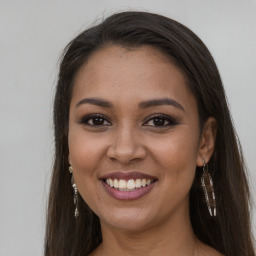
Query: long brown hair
x,y
229,232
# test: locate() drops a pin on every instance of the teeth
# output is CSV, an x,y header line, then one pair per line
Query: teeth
x,y
122,184
116,183
129,185
138,183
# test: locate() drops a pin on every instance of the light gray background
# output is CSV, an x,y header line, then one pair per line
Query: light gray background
x,y
33,33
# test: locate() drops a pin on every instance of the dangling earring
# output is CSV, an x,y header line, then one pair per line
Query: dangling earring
x,y
207,184
74,192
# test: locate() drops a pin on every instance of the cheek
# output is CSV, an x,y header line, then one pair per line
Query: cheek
x,y
84,151
177,155
178,148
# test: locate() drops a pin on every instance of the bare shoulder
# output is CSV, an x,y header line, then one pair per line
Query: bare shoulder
x,y
205,250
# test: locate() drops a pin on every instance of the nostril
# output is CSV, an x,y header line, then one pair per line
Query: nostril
x,y
126,153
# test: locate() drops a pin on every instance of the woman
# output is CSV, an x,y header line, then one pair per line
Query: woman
x,y
142,125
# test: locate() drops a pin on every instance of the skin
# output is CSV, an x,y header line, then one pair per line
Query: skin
x,y
128,139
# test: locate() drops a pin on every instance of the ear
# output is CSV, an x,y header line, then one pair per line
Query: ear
x,y
207,141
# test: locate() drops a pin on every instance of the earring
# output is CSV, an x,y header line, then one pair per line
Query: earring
x,y
207,185
75,192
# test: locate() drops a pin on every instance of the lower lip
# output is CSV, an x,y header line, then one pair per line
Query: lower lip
x,y
128,195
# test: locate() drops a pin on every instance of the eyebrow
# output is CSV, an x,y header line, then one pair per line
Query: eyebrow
x,y
95,101
144,104
160,102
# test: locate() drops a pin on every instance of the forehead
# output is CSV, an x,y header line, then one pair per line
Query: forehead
x,y
130,74
109,60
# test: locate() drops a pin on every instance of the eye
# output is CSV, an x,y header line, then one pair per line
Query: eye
x,y
95,120
160,120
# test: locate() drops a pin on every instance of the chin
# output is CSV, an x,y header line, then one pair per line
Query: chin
x,y
128,220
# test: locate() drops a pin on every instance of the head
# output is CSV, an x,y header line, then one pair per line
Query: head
x,y
168,44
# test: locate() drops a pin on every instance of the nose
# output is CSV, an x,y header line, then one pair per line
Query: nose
x,y
126,146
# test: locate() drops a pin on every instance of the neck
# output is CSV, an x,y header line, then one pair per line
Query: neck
x,y
174,236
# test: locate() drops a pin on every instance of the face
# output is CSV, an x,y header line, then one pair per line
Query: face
x,y
133,137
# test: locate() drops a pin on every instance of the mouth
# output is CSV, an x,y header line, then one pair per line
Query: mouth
x,y
128,186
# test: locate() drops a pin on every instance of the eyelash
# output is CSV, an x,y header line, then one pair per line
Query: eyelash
x,y
171,122
86,119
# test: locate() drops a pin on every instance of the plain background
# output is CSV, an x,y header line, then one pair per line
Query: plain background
x,y
33,34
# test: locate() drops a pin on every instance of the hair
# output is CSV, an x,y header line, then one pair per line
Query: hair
x,y
230,231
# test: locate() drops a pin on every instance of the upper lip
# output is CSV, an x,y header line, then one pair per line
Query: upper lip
x,y
121,175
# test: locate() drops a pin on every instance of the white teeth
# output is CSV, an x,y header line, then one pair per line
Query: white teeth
x,y
129,185
116,185
122,184
138,183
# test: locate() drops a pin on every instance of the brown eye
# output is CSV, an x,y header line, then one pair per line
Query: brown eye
x,y
160,121
95,120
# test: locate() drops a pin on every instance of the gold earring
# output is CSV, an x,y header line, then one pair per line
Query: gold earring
x,y
75,192
207,185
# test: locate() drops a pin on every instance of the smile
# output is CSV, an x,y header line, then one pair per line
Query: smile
x,y
128,185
